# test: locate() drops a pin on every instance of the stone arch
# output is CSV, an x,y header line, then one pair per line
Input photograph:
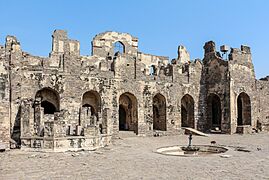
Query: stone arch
x,y
159,112
119,47
92,99
49,100
152,70
214,112
187,111
128,112
243,109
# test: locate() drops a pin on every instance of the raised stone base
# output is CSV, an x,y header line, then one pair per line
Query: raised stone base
x,y
69,143
244,129
2,147
265,127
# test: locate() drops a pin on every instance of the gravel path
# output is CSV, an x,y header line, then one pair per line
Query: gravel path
x,y
134,158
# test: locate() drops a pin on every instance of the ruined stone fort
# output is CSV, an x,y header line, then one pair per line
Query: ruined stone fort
x,y
69,102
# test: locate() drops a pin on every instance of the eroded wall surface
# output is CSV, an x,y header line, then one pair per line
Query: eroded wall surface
x,y
4,96
47,96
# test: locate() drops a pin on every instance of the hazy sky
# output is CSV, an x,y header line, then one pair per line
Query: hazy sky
x,y
160,25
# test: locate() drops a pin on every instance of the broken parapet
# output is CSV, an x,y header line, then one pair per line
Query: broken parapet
x,y
210,51
209,47
245,49
103,44
59,41
12,43
183,55
243,54
241,62
62,46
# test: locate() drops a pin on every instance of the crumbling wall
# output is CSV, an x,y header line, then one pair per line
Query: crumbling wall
x,y
109,74
242,80
4,96
151,64
263,95
214,83
14,57
103,44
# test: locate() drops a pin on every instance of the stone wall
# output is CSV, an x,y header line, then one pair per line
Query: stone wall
x,y
215,90
263,95
114,89
4,96
242,81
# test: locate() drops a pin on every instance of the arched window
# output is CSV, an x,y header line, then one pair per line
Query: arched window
x,y
119,47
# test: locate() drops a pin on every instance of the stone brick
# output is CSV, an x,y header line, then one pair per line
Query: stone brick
x,y
69,101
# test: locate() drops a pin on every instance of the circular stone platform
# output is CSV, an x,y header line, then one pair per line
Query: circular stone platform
x,y
204,150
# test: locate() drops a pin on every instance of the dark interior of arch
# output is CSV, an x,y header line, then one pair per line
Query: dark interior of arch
x,y
187,111
243,110
128,114
156,115
92,108
216,112
49,108
152,70
184,117
239,112
159,113
122,118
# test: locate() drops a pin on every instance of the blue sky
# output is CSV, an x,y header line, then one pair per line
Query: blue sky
x,y
160,25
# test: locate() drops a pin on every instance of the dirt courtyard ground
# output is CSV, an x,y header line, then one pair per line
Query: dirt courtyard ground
x,y
134,158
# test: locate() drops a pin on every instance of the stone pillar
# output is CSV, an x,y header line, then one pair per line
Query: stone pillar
x,y
105,121
48,129
25,118
31,119
37,115
59,128
85,115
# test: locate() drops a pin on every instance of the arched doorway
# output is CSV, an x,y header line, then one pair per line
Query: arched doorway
x,y
91,100
128,115
159,112
49,100
214,112
90,111
187,111
243,109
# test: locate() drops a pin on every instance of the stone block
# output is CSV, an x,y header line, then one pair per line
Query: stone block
x,y
244,129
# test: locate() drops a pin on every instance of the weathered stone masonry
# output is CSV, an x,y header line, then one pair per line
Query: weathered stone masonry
x,y
68,101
